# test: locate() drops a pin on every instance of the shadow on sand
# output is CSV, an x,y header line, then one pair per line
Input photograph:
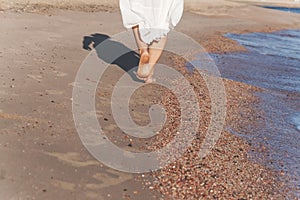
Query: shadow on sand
x,y
111,50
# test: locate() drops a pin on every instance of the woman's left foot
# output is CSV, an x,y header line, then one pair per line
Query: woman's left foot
x,y
142,79
143,69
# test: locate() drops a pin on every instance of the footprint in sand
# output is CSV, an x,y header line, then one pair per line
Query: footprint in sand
x,y
54,92
2,174
72,84
60,74
73,159
108,178
35,77
105,179
64,185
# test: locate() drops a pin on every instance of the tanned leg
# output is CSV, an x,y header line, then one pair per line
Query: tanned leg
x,y
155,51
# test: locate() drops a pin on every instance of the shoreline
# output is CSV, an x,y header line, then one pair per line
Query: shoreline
x,y
93,5
213,41
50,38
289,4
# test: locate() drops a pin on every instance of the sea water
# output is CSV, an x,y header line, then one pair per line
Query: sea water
x,y
272,63
294,10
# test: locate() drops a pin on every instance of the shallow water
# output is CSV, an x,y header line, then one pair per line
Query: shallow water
x,y
294,10
272,63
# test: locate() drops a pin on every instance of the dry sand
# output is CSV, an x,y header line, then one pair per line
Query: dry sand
x,y
41,154
211,7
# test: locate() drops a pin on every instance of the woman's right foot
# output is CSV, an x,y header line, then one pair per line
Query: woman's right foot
x,y
150,78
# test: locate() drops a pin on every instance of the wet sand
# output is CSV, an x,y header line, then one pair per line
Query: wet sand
x,y
41,154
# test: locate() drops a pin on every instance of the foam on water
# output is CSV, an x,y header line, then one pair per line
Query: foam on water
x,y
296,121
280,52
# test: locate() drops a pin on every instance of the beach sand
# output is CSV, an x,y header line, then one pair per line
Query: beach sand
x,y
42,156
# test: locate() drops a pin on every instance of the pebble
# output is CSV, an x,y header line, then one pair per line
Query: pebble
x,y
225,173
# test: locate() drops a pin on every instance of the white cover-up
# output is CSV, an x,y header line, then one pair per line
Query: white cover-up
x,y
154,17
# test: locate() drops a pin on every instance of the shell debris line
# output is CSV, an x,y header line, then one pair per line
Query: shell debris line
x,y
226,172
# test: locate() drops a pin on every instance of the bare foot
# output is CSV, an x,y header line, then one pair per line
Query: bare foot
x,y
144,55
144,68
140,78
150,78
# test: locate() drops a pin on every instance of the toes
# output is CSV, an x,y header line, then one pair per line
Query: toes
x,y
150,80
140,78
144,71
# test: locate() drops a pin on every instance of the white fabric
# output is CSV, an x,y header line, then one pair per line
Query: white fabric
x,y
154,17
